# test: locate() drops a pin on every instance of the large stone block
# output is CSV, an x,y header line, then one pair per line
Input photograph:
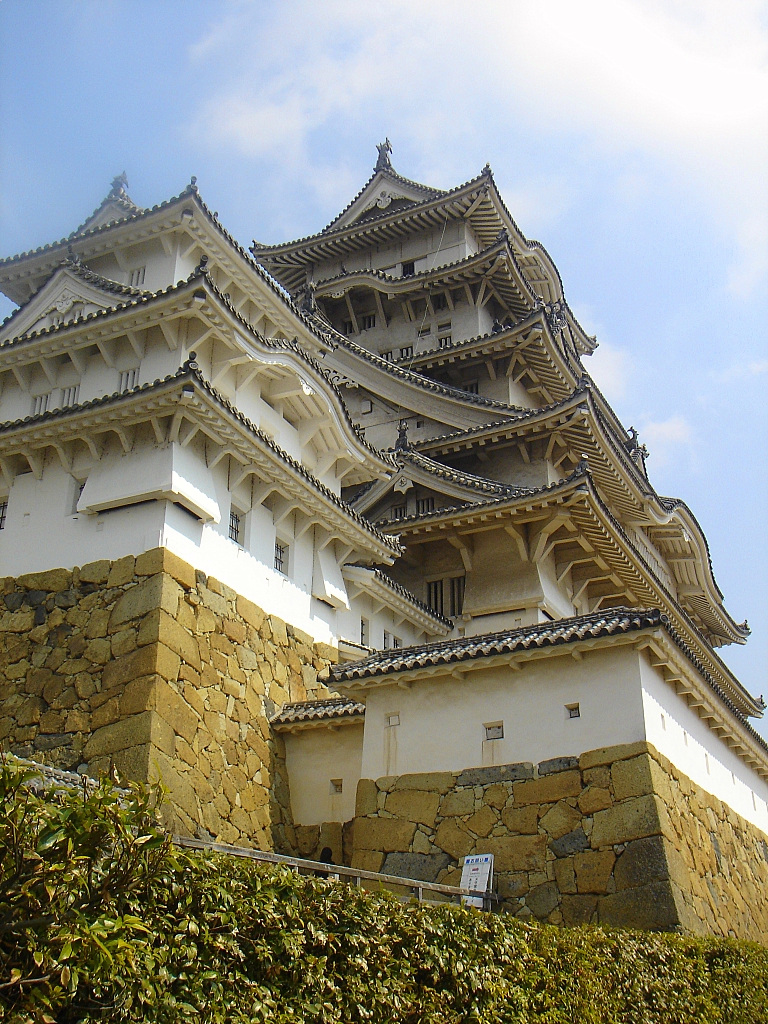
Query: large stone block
x,y
414,805
593,870
548,789
642,862
607,755
557,764
158,625
367,860
143,661
494,774
458,802
453,839
481,823
521,819
52,581
639,776
159,591
593,798
632,819
516,853
423,867
570,843
560,819
366,798
147,727
542,900
436,782
578,910
95,572
652,907
384,834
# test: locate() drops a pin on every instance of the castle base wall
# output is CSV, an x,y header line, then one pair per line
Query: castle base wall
x,y
145,664
616,836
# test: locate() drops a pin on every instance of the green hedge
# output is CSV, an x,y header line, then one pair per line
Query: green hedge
x,y
101,920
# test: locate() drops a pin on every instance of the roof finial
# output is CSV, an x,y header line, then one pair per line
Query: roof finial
x,y
402,436
383,163
119,184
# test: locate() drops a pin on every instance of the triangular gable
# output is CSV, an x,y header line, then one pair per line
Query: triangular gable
x,y
72,291
117,205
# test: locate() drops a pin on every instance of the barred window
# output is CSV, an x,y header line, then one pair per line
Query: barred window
x,y
456,585
471,387
439,302
40,404
364,632
3,513
70,396
369,321
406,352
445,341
281,557
409,268
399,511
425,505
235,526
128,379
387,356
349,327
435,596
137,276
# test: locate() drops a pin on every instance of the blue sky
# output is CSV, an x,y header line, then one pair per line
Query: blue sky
x,y
629,136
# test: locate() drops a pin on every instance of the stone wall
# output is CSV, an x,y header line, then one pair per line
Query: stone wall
x,y
616,836
152,667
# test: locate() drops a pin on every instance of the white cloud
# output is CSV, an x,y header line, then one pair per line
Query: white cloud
x,y
742,371
611,369
667,440
684,82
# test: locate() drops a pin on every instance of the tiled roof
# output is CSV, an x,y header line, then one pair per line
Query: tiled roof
x,y
406,595
45,776
390,172
544,634
191,371
455,476
318,711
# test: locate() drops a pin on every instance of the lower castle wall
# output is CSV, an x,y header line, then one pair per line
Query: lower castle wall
x,y
146,664
617,836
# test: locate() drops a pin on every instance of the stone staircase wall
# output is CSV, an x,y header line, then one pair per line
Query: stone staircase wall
x,y
616,836
146,665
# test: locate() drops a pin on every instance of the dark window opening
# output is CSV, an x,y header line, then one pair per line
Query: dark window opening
x,y
409,269
425,505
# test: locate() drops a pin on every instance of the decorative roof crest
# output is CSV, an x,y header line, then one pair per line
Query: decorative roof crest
x,y
119,185
383,163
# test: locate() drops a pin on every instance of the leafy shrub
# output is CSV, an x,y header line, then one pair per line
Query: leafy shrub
x,y
101,919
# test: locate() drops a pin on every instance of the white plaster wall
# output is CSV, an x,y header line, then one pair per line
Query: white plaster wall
x,y
315,756
442,721
677,732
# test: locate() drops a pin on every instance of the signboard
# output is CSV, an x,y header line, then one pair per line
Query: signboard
x,y
477,875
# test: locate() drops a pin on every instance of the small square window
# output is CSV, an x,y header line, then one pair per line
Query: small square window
x,y
137,276
573,710
494,731
444,328
366,406
369,321
425,505
409,268
236,526
337,786
3,513
424,332
281,558
406,352
393,720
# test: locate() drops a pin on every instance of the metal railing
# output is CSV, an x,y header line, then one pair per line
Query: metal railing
x,y
340,872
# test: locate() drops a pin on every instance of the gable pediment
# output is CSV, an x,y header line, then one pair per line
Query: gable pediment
x,y
69,293
383,194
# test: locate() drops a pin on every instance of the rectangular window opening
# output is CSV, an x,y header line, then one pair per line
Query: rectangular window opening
x,y
40,404
406,352
3,513
471,387
349,327
70,396
409,268
494,731
388,356
399,511
368,322
337,786
435,596
425,505
281,558
424,332
393,719
138,275
364,632
439,302
128,379
573,710
457,585
236,526
445,340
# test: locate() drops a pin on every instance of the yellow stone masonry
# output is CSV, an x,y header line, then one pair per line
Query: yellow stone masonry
x,y
152,667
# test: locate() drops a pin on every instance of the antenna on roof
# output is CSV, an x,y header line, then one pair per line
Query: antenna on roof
x,y
383,163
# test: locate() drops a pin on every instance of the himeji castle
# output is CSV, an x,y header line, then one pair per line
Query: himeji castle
x,y
339,539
